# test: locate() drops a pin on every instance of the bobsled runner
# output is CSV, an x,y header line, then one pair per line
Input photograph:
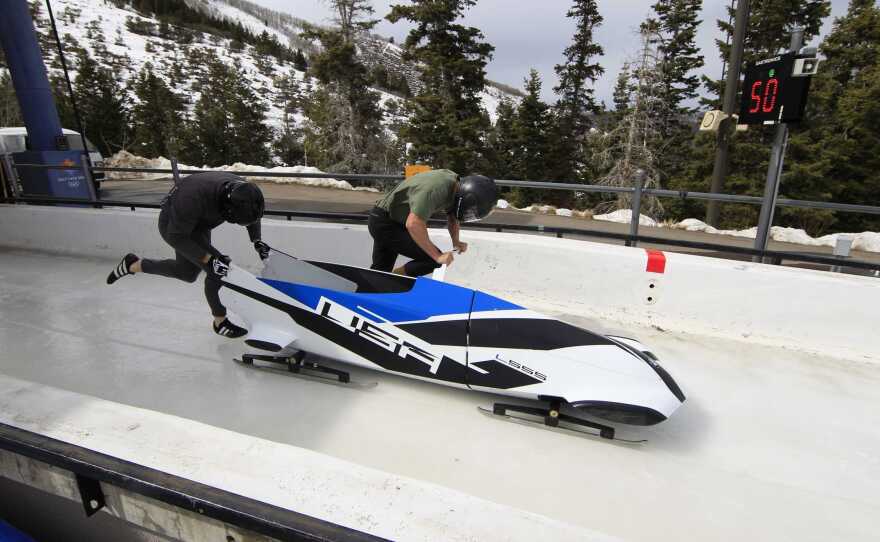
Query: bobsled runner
x,y
447,334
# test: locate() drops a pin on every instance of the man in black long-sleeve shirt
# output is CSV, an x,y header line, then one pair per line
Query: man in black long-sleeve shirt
x,y
200,203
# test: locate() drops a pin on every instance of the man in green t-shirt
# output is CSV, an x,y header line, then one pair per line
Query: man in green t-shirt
x,y
399,222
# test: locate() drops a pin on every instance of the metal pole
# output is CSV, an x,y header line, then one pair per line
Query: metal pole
x,y
636,212
71,95
12,177
722,149
774,169
175,171
6,193
87,174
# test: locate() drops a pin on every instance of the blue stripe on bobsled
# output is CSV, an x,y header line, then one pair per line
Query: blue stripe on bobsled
x,y
486,302
426,299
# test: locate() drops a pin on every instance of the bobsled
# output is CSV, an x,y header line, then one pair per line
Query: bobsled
x,y
447,334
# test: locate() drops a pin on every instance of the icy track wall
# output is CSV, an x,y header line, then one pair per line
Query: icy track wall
x,y
809,310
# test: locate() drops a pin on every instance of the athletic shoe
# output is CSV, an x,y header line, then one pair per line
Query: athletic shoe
x,y
229,330
124,268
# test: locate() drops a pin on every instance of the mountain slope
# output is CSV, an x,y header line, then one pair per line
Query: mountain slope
x,y
117,33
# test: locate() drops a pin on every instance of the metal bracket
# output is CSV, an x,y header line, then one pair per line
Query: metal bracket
x,y
90,493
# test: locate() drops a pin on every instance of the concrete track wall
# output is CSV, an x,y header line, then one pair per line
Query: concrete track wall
x,y
803,309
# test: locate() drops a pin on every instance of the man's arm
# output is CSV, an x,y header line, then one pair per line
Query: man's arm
x,y
454,228
418,230
254,232
192,250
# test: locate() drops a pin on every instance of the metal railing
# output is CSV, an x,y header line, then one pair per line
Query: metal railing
x,y
13,195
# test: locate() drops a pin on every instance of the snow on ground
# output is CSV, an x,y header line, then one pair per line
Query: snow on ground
x,y
865,241
543,209
128,160
693,224
624,216
112,21
253,24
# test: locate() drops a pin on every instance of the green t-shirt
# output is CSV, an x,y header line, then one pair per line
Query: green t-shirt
x,y
423,194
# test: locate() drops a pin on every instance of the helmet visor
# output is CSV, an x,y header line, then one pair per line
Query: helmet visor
x,y
467,210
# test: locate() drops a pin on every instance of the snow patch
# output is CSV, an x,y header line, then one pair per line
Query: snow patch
x,y
692,224
544,209
128,160
624,216
865,241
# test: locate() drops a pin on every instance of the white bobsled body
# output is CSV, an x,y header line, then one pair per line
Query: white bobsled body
x,y
447,334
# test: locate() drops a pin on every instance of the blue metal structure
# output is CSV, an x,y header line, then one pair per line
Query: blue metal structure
x,y
29,77
46,142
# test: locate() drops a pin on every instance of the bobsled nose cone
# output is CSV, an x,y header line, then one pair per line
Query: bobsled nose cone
x,y
621,413
620,382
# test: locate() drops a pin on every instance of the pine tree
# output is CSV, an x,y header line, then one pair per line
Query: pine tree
x,y
394,147
622,91
103,105
636,143
531,153
229,119
501,140
676,24
345,118
832,154
300,62
532,130
10,114
448,122
156,117
351,17
577,102
288,146
62,100
576,77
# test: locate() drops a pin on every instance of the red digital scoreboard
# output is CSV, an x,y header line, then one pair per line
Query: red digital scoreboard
x,y
772,93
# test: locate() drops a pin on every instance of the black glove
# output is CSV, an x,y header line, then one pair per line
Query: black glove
x,y
218,266
262,249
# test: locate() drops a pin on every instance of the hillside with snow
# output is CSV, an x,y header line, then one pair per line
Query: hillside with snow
x,y
130,39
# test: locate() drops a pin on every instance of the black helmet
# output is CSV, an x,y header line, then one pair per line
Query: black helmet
x,y
475,199
242,203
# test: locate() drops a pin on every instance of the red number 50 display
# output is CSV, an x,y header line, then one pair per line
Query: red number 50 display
x,y
767,101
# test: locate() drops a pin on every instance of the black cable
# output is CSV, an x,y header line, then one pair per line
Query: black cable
x,y
79,124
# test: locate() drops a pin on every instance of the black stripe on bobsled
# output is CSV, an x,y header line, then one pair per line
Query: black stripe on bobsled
x,y
446,332
499,376
353,338
529,334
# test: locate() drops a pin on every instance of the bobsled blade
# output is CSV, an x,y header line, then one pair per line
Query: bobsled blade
x,y
306,371
566,430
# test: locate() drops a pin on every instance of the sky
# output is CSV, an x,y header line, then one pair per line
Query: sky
x,y
532,34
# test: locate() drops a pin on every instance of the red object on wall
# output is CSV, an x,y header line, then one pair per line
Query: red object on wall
x,y
656,261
